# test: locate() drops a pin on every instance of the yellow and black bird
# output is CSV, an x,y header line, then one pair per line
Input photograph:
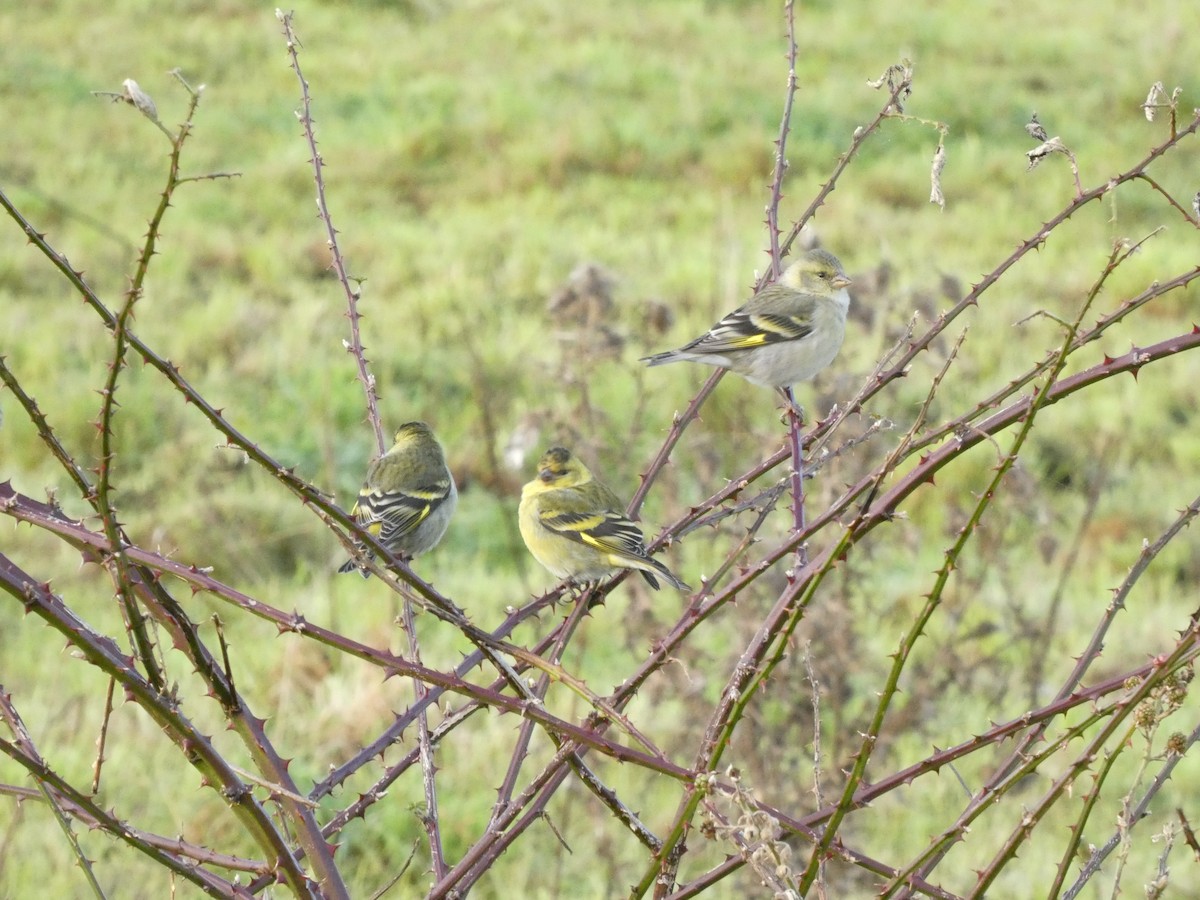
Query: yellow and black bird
x,y
573,525
408,497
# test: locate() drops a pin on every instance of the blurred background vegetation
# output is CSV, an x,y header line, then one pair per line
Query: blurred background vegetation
x,y
478,154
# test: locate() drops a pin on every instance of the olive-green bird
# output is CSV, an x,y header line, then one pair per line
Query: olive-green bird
x,y
408,497
786,333
573,525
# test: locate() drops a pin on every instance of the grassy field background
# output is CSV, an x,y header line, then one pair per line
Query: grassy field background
x,y
478,152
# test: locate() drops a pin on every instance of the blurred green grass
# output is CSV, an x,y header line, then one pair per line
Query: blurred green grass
x,y
476,153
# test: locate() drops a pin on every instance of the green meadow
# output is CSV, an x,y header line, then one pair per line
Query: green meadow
x,y
476,154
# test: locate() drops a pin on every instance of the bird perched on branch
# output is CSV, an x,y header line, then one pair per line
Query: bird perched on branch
x,y
787,332
408,497
573,525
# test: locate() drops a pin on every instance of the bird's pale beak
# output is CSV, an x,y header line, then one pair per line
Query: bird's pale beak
x,y
546,475
841,281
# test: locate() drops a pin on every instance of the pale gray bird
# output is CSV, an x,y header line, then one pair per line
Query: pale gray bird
x,y
787,332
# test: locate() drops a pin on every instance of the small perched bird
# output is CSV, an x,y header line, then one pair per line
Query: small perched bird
x,y
408,497
787,332
573,525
